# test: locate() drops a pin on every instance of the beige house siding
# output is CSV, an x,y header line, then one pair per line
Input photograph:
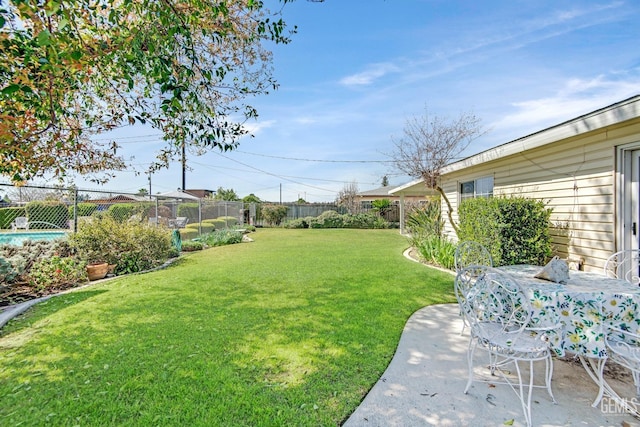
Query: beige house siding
x,y
575,176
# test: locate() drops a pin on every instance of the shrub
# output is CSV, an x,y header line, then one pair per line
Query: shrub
x,y
131,246
122,212
190,246
437,250
297,223
274,214
188,234
425,220
20,259
515,230
222,237
229,221
57,273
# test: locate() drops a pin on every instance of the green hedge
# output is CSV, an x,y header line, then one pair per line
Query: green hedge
x,y
84,209
45,215
515,230
190,210
7,215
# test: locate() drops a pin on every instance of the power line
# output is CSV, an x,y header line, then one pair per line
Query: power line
x,y
315,160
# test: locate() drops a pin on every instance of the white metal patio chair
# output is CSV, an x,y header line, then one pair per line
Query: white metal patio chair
x,y
624,265
623,348
498,314
469,253
20,222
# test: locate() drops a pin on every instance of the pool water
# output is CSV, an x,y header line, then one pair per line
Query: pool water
x,y
18,238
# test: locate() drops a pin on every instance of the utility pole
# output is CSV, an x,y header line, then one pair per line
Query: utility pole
x,y
184,165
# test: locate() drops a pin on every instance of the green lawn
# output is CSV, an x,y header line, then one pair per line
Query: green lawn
x,y
292,329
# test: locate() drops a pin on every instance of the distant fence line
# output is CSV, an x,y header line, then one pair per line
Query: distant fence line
x,y
42,207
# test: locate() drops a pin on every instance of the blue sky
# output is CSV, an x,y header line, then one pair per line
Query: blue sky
x,y
357,70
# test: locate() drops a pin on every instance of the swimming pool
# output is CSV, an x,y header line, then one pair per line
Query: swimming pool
x,y
18,238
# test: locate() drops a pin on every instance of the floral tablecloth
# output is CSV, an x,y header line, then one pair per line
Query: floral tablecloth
x,y
582,306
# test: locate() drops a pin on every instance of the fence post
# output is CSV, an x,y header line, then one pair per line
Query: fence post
x,y
200,218
75,209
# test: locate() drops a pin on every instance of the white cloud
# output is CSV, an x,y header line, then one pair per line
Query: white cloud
x,y
574,98
255,128
374,72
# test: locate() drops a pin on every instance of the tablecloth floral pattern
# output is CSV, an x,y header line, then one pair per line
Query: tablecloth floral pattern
x,y
583,307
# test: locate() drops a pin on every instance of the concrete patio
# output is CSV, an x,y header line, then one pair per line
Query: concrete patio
x,y
424,383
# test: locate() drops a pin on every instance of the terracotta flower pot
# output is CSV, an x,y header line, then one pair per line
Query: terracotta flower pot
x,y
97,271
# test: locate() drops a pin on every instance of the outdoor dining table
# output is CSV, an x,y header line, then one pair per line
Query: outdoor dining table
x,y
582,307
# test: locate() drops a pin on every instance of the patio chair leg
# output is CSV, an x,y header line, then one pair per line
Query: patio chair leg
x,y
472,348
526,406
600,379
549,370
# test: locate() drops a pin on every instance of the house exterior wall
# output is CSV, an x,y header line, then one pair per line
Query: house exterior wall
x,y
575,176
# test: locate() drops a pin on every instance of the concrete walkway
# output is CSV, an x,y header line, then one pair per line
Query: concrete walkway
x,y
424,383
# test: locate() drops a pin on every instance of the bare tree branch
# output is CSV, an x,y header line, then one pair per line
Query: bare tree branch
x,y
429,143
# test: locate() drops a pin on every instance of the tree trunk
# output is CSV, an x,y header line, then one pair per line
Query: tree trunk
x,y
449,208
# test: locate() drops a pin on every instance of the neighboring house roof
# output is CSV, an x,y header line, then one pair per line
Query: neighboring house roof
x,y
120,198
381,191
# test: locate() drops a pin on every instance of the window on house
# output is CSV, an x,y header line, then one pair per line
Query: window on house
x,y
481,187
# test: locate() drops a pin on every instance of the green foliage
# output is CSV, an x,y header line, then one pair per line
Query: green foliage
x,y
20,259
226,194
299,222
515,230
332,219
44,215
184,69
228,221
131,246
222,237
190,210
124,211
7,215
274,214
251,198
191,246
381,204
57,273
188,234
437,250
84,209
8,273
425,220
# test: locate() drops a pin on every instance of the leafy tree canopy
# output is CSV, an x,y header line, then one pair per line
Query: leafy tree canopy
x,y
72,69
226,194
251,198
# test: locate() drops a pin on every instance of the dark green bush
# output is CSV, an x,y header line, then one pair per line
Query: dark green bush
x,y
7,215
190,210
274,214
515,230
124,211
84,209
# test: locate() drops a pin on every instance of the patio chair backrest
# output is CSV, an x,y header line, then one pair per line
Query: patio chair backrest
x,y
624,265
471,253
493,304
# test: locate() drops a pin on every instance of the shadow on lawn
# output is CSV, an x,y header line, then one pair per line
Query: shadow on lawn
x,y
49,305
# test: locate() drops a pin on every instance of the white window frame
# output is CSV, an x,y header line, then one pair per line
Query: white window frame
x,y
484,183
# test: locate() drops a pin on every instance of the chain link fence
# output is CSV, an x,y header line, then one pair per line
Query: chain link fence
x,y
40,211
